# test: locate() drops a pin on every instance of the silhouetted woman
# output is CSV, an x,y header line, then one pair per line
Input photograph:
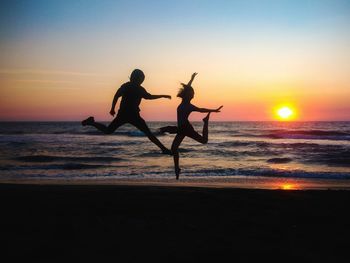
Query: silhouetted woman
x,y
184,127
129,112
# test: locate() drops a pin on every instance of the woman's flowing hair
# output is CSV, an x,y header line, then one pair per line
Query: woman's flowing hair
x,y
185,91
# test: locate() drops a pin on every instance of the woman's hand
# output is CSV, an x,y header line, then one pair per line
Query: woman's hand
x,y
218,109
167,97
112,112
194,75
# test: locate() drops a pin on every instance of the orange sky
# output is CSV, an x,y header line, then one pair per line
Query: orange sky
x,y
68,67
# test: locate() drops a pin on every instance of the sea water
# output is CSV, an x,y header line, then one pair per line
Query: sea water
x,y
66,150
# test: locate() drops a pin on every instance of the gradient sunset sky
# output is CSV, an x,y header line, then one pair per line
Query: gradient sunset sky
x,y
64,60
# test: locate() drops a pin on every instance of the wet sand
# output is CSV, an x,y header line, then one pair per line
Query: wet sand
x,y
133,223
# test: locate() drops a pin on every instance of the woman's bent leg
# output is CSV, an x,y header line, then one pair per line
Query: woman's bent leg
x,y
174,149
205,128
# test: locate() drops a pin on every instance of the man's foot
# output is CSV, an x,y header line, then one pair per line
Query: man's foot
x,y
88,121
206,119
167,151
177,172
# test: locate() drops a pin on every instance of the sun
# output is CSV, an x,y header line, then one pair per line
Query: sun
x,y
285,113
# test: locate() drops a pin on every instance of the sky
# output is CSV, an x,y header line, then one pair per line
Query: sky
x,y
64,60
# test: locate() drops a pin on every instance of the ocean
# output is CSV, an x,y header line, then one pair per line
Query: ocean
x,y
67,151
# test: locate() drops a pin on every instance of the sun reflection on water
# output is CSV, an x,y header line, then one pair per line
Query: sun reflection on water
x,y
288,187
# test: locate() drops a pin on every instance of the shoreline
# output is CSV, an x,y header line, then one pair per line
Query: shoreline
x,y
238,182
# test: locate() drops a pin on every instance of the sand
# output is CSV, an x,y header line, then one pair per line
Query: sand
x,y
133,223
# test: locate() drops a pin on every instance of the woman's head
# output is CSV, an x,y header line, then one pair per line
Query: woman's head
x,y
137,76
186,92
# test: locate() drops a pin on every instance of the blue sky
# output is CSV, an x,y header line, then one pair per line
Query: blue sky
x,y
41,16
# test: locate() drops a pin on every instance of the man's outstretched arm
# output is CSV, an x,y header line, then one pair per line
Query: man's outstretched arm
x,y
148,96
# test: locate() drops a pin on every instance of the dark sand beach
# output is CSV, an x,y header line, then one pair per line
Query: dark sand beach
x,y
133,223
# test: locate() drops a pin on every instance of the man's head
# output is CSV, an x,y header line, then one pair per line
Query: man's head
x,y
137,76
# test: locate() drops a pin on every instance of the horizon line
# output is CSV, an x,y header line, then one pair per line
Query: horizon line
x,y
176,121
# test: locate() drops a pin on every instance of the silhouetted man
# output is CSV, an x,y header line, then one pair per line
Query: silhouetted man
x,y
129,112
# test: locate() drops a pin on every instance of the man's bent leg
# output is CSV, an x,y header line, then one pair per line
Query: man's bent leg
x,y
115,124
142,126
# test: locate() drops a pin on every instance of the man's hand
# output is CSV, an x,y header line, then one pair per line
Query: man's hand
x,y
167,97
112,112
218,109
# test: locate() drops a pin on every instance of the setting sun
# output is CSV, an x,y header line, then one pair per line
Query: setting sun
x,y
285,113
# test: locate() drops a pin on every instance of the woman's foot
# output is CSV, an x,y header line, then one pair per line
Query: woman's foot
x,y
177,172
88,121
206,119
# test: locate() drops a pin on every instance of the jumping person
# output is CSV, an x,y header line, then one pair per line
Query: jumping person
x,y
184,127
129,112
